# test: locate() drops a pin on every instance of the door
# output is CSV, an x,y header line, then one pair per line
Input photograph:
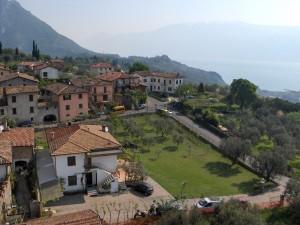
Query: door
x,y
89,179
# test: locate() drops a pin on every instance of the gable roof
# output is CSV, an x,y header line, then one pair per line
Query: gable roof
x,y
110,76
60,89
19,137
5,152
85,217
101,65
15,75
168,75
76,139
11,90
89,81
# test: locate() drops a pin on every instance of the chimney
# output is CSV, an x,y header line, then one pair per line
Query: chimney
x,y
104,129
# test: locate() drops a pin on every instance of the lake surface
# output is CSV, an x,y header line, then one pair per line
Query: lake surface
x,y
276,76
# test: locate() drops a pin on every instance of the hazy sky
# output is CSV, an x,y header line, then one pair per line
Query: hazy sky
x,y
82,19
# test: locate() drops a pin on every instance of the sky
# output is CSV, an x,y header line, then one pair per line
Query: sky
x,y
84,19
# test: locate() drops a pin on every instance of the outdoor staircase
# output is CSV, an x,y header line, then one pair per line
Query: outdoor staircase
x,y
122,186
92,191
108,180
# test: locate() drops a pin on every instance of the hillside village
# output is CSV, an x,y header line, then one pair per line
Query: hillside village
x,y
110,145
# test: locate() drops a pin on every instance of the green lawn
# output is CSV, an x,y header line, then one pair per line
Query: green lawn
x,y
206,171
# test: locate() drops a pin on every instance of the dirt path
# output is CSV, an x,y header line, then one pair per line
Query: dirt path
x,y
23,195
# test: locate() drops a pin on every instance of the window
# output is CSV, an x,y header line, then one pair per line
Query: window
x,y
95,90
68,115
170,81
31,109
95,98
169,89
13,99
31,119
158,88
158,80
45,74
105,90
67,107
72,180
71,161
2,112
80,96
176,81
179,81
164,82
67,97
80,106
105,97
145,80
31,98
1,73
14,111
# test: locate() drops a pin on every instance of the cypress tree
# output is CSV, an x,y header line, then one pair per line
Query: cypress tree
x,y
33,49
0,48
17,51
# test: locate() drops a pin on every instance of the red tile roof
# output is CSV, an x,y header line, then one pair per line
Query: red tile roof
x,y
19,137
110,76
20,89
89,81
78,139
101,65
60,89
86,217
12,76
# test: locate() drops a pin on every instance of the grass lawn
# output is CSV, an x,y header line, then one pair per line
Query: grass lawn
x,y
40,139
206,171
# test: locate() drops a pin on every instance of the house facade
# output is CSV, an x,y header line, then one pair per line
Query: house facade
x,y
100,91
47,72
19,103
161,82
68,100
17,79
101,68
84,156
4,71
28,66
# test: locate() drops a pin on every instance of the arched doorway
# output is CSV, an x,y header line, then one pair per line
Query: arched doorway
x,y
21,164
50,118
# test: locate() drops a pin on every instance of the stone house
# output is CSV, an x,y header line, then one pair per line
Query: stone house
x,y
100,91
101,68
17,79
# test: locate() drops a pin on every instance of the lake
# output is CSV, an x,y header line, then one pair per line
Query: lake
x,y
275,76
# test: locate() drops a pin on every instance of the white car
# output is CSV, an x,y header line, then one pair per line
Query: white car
x,y
208,202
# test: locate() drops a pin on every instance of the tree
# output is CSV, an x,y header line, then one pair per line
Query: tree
x,y
1,48
236,148
163,126
234,212
242,93
178,139
269,164
137,66
17,51
201,88
292,190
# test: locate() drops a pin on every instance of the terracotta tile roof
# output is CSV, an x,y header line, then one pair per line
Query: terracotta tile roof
x,y
86,217
30,63
77,139
60,89
12,76
159,74
89,81
101,65
19,137
110,76
11,90
5,152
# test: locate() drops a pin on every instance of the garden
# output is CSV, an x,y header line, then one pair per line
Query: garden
x,y
182,163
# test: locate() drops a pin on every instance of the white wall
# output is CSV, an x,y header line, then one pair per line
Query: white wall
x,y
52,73
108,163
63,171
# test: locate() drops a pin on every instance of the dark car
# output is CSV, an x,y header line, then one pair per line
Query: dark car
x,y
143,188
26,123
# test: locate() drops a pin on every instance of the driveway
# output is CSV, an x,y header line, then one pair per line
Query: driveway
x,y
23,195
111,206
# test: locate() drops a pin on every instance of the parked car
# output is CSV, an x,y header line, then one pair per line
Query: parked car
x,y
142,187
208,203
26,123
142,106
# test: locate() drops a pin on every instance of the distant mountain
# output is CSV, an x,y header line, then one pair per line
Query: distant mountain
x,y
208,41
18,28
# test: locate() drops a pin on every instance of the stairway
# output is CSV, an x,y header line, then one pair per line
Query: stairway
x,y
122,186
108,180
92,191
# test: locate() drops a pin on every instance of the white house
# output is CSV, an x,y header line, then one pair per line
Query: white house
x,y
84,156
48,72
160,82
